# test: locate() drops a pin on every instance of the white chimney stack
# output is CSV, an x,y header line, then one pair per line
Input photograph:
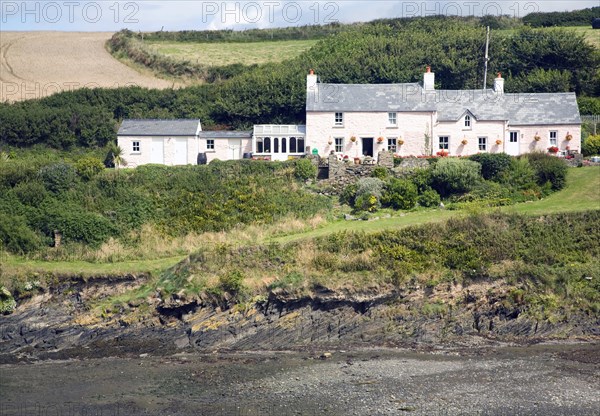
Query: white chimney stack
x,y
499,84
311,81
429,80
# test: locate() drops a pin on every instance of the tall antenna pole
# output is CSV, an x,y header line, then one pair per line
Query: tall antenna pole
x,y
487,58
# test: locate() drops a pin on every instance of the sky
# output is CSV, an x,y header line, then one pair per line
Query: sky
x,y
113,15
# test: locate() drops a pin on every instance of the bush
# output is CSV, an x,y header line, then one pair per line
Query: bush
x,y
549,169
400,194
493,165
16,236
88,167
452,176
380,172
348,195
31,193
422,179
521,175
367,202
371,186
232,282
305,169
429,199
591,145
58,177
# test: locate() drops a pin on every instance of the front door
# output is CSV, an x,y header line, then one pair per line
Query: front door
x,y
512,147
235,149
157,152
367,146
180,156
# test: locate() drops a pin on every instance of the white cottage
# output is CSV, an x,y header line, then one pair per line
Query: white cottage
x,y
416,119
167,142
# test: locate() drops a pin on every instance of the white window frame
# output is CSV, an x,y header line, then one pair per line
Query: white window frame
x,y
338,119
510,136
553,140
482,146
136,146
392,144
393,119
210,144
447,144
339,144
468,122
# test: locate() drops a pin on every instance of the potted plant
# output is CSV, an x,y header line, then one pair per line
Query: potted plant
x,y
498,142
553,149
357,160
464,142
442,153
537,138
353,139
400,142
346,158
380,139
569,137
330,142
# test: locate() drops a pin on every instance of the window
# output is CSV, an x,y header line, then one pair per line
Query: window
x,y
339,144
514,137
339,119
276,145
210,144
283,145
300,144
553,138
392,144
267,145
482,144
468,121
444,142
293,148
393,119
136,147
259,145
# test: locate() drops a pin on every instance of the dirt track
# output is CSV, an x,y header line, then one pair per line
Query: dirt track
x,y
37,64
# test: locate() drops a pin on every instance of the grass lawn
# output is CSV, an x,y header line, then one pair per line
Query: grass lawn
x,y
217,54
582,193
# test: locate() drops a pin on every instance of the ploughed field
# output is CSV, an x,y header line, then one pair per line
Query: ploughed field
x,y
38,64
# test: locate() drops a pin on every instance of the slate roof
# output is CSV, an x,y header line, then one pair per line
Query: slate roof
x,y
225,134
519,109
150,127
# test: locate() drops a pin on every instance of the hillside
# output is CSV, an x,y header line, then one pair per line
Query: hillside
x,y
38,64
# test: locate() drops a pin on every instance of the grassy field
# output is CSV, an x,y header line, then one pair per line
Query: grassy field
x,y
581,194
217,54
591,35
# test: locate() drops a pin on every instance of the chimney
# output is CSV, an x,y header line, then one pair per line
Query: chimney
x,y
429,80
311,81
499,84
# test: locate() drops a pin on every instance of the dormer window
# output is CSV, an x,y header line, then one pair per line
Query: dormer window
x,y
468,121
339,119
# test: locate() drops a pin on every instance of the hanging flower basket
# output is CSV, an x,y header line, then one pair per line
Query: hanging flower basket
x,y
553,149
537,138
498,142
400,142
569,137
330,142
380,139
353,139
464,142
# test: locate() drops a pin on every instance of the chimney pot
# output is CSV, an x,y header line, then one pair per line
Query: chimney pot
x,y
429,80
499,84
428,69
311,72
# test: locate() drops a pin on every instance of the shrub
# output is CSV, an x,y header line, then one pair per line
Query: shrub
x,y
58,177
493,165
591,145
372,186
380,172
88,167
7,302
429,199
348,195
367,202
16,236
521,175
30,193
232,282
305,169
455,175
422,179
400,194
549,169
